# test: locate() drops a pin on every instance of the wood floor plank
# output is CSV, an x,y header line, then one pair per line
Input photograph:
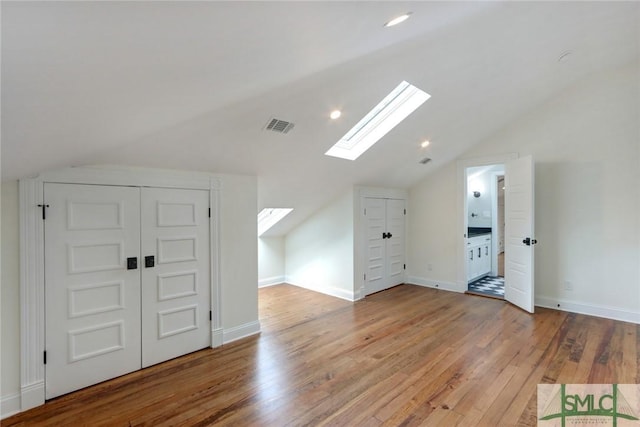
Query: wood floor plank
x,y
406,356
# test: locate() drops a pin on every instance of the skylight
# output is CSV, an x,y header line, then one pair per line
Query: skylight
x,y
393,109
268,217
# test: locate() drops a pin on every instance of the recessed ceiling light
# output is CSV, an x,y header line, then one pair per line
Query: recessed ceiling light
x,y
394,108
335,114
425,143
564,56
397,20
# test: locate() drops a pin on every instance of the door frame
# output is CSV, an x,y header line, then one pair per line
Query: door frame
x,y
495,176
32,295
462,222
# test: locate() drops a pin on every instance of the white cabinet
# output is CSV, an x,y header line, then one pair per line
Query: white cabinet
x,y
478,256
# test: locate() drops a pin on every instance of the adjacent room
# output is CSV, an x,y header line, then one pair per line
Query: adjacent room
x,y
316,213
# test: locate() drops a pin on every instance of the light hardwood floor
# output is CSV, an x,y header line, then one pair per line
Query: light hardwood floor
x,y
405,356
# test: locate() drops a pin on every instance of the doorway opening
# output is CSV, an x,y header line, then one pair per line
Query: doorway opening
x,y
485,230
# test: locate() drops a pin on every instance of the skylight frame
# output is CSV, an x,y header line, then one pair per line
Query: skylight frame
x,y
387,114
268,217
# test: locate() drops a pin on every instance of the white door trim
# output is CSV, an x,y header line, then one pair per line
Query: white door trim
x,y
461,226
32,322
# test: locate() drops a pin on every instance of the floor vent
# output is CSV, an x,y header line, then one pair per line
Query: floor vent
x,y
425,160
279,126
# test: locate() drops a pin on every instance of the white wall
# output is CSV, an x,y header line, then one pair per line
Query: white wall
x,y
319,252
238,275
271,261
586,146
239,256
10,309
431,230
479,206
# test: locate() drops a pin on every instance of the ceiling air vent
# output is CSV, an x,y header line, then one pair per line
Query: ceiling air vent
x,y
425,161
279,126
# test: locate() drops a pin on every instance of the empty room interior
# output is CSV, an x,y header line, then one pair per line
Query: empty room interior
x,y
317,213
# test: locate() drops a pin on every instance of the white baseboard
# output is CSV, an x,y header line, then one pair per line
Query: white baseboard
x,y
590,309
241,331
9,405
32,395
270,281
217,337
436,284
327,290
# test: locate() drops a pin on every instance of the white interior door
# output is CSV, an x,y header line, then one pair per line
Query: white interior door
x,y
519,233
92,330
395,243
176,284
375,274
385,243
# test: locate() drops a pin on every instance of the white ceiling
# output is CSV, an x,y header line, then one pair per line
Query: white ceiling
x,y
191,85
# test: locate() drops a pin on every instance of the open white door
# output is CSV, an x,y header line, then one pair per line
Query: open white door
x,y
519,240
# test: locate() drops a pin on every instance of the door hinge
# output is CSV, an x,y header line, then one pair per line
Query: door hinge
x,y
210,316
365,211
405,211
44,357
365,276
405,266
209,212
44,211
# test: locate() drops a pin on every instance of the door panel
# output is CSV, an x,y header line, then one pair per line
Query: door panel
x,y
176,289
92,301
519,257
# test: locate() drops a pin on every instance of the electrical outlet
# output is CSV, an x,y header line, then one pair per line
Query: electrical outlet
x,y
429,267
568,286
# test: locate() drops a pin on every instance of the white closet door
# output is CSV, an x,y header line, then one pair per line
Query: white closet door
x,y
176,289
395,243
375,274
92,299
385,244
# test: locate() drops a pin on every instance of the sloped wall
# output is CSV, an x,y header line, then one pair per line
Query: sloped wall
x,y
319,252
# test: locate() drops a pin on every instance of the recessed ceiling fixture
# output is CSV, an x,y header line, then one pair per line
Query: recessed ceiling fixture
x,y
268,217
564,56
425,143
398,19
393,109
335,114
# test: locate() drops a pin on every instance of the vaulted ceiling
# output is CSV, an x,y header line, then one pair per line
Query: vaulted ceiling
x,y
191,85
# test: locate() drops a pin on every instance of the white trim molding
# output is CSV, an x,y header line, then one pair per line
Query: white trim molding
x,y
327,290
589,309
435,284
271,281
241,331
32,300
9,405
